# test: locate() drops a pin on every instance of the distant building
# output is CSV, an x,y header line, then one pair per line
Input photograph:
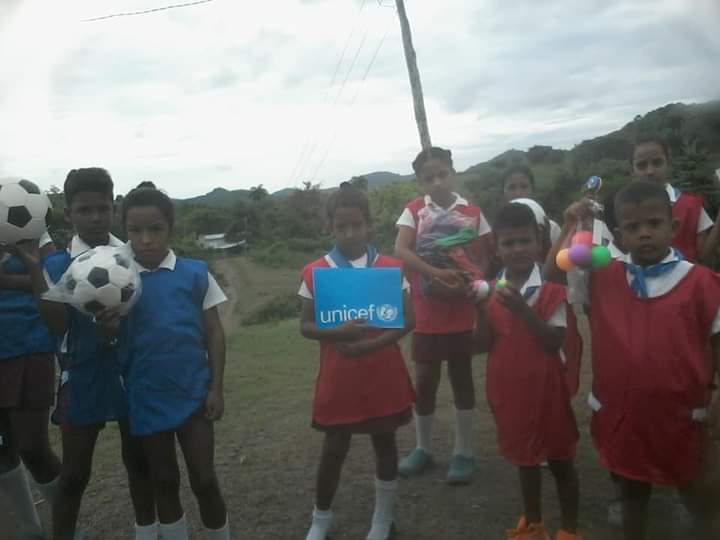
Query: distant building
x,y
218,242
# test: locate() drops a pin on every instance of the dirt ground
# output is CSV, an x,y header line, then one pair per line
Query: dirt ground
x,y
267,454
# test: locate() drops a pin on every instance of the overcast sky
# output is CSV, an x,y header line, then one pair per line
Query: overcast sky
x,y
238,93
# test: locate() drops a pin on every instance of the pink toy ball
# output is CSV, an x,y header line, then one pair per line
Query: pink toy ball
x,y
480,289
580,255
582,237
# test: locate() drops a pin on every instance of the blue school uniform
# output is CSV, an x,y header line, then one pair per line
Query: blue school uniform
x,y
91,387
163,344
23,330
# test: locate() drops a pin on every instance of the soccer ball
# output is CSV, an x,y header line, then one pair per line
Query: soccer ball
x,y
103,277
24,210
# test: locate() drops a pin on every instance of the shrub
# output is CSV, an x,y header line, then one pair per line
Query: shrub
x,y
279,308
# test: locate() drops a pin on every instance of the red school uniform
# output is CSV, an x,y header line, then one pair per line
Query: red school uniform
x,y
687,210
439,315
651,376
359,389
526,386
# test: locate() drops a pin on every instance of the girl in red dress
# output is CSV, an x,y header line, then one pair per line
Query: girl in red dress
x,y
362,385
522,326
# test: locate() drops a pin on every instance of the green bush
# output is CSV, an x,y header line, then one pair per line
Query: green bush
x,y
279,308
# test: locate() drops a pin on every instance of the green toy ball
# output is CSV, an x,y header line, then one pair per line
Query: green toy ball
x,y
600,257
500,284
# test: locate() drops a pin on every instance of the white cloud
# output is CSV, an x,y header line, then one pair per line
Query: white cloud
x,y
236,94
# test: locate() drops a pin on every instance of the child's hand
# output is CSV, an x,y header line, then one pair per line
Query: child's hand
x,y
353,329
578,211
27,251
109,321
214,405
449,277
356,348
511,299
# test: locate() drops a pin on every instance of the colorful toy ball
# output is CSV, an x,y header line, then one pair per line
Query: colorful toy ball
x,y
563,262
582,237
600,256
480,289
500,284
580,255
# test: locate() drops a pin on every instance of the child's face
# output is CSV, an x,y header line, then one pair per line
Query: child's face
x,y
645,230
518,248
91,215
650,163
517,186
351,232
435,178
148,232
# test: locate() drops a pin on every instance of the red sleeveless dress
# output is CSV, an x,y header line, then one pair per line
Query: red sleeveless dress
x,y
687,210
366,394
651,375
526,387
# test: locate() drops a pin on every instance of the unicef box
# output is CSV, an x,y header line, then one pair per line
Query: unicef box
x,y
344,294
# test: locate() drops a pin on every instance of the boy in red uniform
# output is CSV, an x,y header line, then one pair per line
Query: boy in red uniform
x,y
444,313
522,327
653,314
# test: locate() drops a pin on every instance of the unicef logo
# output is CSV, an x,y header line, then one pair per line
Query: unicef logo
x,y
387,313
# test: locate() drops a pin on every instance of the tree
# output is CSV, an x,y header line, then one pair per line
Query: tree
x,y
359,182
258,193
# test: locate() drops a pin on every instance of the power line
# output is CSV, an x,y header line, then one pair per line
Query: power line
x,y
305,157
143,12
321,164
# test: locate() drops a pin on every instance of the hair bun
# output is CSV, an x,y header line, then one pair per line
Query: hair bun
x,y
146,184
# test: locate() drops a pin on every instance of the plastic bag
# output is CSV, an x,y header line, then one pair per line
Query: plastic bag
x,y
448,240
102,277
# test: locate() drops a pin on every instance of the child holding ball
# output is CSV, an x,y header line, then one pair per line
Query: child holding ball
x,y
362,385
173,348
522,327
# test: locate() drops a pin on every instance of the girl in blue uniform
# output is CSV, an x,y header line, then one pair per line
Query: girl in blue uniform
x,y
173,346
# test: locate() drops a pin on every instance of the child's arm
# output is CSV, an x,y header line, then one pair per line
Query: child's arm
x,y
714,407
550,337
483,334
383,339
21,282
405,251
345,332
707,243
215,343
572,217
54,314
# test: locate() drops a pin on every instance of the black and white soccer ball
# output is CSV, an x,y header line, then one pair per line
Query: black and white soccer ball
x,y
103,277
24,210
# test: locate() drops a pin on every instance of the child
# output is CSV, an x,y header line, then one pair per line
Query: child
x,y
445,320
653,314
519,183
522,327
696,236
362,386
27,391
174,384
91,390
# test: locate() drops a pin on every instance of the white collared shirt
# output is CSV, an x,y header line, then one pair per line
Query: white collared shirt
x,y
559,317
578,282
214,295
361,262
408,220
78,246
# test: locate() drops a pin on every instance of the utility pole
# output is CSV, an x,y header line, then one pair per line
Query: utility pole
x,y
414,74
